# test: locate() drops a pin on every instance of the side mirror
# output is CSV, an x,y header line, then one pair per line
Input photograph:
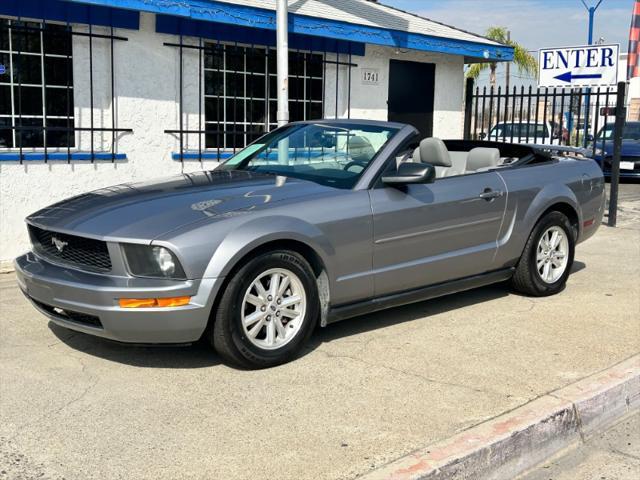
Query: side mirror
x,y
410,173
483,136
589,138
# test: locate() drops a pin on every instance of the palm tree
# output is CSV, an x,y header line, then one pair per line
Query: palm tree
x,y
522,59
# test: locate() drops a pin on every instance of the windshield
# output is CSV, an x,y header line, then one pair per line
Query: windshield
x,y
519,130
334,155
631,132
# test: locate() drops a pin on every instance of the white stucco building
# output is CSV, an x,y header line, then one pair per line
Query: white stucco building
x,y
100,92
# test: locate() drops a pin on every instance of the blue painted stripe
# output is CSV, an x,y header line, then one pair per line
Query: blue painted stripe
x,y
251,36
64,11
60,156
217,156
252,17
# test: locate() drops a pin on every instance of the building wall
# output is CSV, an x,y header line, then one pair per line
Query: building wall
x,y
147,94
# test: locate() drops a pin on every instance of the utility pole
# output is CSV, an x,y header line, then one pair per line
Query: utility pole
x,y
282,51
587,99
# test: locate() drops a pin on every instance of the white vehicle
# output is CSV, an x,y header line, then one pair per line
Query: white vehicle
x,y
541,133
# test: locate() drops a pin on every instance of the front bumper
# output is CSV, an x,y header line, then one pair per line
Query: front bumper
x,y
88,302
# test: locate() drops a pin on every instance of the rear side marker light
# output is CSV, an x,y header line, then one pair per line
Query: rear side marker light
x,y
588,223
153,302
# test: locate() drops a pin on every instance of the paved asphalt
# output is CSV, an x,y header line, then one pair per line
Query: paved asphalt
x,y
367,391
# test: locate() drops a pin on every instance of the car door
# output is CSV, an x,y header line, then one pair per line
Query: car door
x,y
431,233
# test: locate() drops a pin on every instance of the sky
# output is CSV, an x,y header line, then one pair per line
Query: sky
x,y
533,23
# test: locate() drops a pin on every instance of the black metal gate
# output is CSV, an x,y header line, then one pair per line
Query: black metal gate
x,y
586,118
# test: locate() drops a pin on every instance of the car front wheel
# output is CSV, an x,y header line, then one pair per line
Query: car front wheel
x,y
547,258
267,311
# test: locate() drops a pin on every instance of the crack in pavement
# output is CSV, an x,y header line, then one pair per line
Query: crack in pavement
x,y
94,381
411,374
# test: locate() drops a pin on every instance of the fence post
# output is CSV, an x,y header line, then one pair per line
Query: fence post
x,y
617,149
468,103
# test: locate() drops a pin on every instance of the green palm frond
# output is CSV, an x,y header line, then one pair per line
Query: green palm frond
x,y
524,61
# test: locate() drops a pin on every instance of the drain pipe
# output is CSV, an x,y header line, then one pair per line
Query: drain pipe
x,y
282,46
282,29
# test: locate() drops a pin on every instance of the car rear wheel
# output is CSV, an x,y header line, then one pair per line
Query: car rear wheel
x,y
547,258
267,311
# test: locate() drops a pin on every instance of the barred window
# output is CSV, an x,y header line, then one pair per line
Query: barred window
x,y
240,96
36,85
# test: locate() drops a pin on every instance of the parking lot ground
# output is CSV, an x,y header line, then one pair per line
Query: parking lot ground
x,y
613,454
368,390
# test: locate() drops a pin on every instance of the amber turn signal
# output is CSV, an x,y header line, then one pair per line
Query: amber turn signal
x,y
153,302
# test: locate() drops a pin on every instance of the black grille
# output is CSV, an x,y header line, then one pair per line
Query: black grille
x,y
69,315
81,252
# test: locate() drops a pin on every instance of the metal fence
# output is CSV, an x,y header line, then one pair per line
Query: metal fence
x,y
554,116
588,118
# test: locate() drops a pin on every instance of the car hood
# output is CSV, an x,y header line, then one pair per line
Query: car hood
x,y
144,211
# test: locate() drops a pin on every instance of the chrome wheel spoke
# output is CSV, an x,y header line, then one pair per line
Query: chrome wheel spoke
x,y
271,333
283,286
290,313
262,293
290,301
274,285
256,329
254,317
280,329
545,271
253,300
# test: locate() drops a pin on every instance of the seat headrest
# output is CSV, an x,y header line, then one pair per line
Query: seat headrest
x,y
433,150
481,157
416,155
360,148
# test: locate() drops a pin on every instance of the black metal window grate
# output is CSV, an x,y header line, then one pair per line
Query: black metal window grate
x,y
81,252
37,89
237,85
240,92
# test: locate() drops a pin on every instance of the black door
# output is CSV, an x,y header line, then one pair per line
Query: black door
x,y
411,91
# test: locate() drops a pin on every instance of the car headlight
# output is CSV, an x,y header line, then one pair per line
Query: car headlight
x,y
152,261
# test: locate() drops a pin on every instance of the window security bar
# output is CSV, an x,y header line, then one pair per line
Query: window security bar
x,y
49,124
237,89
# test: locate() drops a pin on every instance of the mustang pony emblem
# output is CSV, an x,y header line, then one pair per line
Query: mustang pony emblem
x,y
59,243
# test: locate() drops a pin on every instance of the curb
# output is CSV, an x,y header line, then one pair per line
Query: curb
x,y
510,444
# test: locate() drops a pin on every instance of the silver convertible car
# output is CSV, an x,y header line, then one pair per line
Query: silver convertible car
x,y
313,223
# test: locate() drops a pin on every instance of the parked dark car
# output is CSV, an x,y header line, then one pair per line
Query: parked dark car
x,y
630,158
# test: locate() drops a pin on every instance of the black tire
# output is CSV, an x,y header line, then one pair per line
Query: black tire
x,y
526,278
228,336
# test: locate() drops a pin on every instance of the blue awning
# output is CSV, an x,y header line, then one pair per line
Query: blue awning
x,y
252,17
64,11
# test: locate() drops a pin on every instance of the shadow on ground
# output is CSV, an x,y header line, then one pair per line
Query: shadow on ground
x,y
197,355
201,355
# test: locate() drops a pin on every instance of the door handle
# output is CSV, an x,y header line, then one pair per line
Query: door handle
x,y
489,194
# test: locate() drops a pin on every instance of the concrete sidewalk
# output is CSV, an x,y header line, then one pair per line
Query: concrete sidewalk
x,y
368,392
